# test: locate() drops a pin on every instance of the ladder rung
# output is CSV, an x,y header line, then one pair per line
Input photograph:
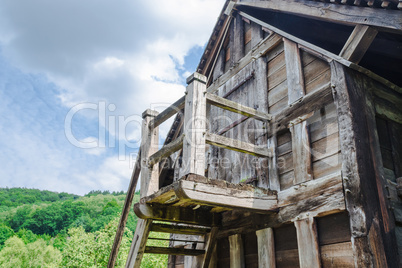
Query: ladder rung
x,y
174,251
178,229
175,240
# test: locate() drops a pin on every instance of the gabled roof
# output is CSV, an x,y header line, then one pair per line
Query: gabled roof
x,y
324,24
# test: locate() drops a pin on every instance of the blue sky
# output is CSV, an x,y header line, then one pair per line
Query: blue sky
x,y
75,77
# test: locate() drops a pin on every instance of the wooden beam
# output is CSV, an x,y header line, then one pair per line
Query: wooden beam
x,y
178,229
209,247
167,113
358,43
307,243
194,126
236,107
236,251
138,245
174,251
273,175
301,152
232,196
149,146
313,101
343,14
260,50
237,145
359,169
266,248
166,151
294,72
176,214
126,209
323,54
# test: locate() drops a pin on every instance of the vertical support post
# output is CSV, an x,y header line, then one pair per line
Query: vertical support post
x,y
301,152
294,71
307,243
266,248
195,126
238,39
274,183
361,182
138,245
149,146
236,251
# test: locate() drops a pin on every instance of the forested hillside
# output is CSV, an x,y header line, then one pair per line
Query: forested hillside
x,y
48,229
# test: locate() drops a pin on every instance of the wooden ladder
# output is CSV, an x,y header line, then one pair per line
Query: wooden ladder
x,y
205,239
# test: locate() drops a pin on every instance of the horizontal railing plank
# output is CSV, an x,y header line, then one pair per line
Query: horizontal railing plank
x,y
237,145
167,113
236,107
166,150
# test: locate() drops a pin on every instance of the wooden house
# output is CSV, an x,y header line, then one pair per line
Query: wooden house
x,y
286,150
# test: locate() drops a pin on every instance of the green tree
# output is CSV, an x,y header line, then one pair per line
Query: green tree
x,y
26,235
5,233
14,253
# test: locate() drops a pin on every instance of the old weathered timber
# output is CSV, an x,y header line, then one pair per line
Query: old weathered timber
x,y
362,200
149,146
334,13
301,152
194,126
294,72
309,254
126,209
138,245
266,248
358,43
237,145
236,251
236,107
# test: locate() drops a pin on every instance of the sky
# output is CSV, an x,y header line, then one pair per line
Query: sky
x,y
75,77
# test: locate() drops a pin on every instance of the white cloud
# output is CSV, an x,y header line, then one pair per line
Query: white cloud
x,y
129,53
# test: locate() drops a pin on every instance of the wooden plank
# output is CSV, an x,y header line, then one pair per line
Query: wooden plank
x,y
343,14
337,255
294,71
236,251
167,113
126,209
310,102
357,163
176,214
238,38
237,145
358,43
307,243
287,258
138,245
301,152
209,248
324,54
236,107
194,126
325,147
178,229
274,183
149,146
174,251
333,229
231,196
261,49
256,34
266,248
166,150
